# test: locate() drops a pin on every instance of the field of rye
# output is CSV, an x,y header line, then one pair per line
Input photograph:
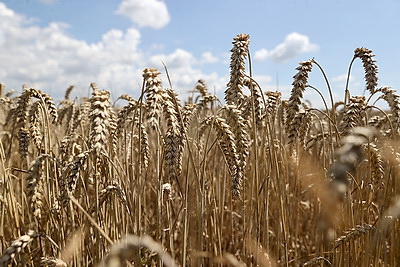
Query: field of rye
x,y
249,180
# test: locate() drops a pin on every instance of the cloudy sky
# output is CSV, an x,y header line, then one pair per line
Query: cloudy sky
x,y
51,44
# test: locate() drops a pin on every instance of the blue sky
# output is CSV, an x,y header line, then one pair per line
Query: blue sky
x,y
51,44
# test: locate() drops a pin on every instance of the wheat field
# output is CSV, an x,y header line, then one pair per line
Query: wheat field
x,y
249,180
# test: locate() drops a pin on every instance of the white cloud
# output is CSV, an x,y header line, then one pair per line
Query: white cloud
x,y
145,13
181,69
178,59
51,60
293,45
261,54
208,57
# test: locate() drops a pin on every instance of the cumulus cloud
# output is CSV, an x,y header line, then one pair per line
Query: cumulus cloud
x,y
261,54
181,68
51,60
293,45
208,57
145,13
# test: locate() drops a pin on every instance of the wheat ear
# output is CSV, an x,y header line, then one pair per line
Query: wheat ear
x,y
256,100
154,95
353,233
393,99
348,156
105,193
52,262
299,86
70,177
227,142
354,114
16,247
201,87
34,126
239,128
174,139
370,67
100,120
124,248
234,94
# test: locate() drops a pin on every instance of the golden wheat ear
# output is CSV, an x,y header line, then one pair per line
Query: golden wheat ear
x,y
234,92
17,246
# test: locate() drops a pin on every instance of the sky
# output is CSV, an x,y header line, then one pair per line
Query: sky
x,y
51,44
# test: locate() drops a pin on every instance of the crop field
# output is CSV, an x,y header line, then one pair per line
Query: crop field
x,y
249,180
